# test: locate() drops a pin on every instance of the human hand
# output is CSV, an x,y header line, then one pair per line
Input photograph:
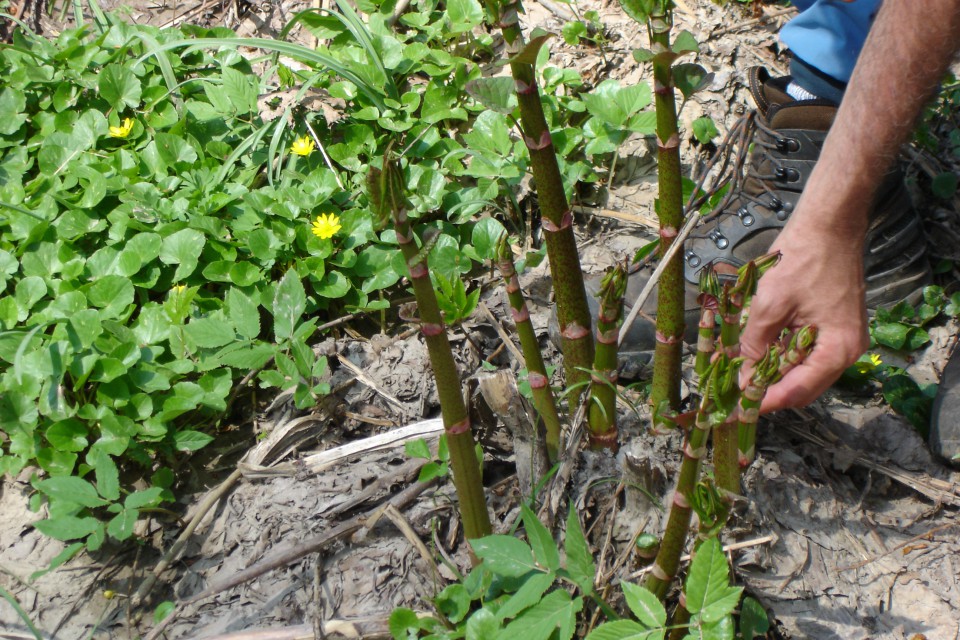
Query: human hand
x,y
818,281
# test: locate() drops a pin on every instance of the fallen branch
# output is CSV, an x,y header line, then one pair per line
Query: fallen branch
x,y
325,459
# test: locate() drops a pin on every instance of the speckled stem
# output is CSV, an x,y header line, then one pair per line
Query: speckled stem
x,y
573,314
543,400
389,200
667,352
602,416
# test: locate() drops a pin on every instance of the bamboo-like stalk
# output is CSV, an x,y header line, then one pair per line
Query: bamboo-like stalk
x,y
669,327
573,314
543,399
706,339
389,200
732,300
719,391
602,416
773,366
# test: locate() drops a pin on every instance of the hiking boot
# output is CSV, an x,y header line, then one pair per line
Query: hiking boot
x,y
945,415
786,144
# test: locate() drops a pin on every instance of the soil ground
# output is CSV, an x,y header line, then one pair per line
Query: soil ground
x,y
848,528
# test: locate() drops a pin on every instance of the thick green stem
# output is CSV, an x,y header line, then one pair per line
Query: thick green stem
x,y
573,314
706,342
388,200
725,437
775,364
678,522
543,400
670,295
602,416
720,390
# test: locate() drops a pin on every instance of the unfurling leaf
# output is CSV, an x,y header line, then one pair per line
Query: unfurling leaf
x,y
690,78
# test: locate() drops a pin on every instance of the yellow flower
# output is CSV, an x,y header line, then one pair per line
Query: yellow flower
x,y
177,288
867,365
326,225
303,146
123,130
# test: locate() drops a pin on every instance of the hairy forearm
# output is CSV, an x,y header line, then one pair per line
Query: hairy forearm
x,y
906,54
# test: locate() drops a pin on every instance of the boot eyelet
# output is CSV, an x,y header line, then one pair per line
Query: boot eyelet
x,y
718,239
786,174
692,259
745,216
787,145
775,204
783,214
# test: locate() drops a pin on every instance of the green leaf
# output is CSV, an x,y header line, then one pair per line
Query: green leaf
x,y
121,525
182,249
625,630
690,78
144,498
59,560
685,42
432,470
944,185
530,51
417,449
334,285
112,294
529,594
210,332
704,130
708,585
639,10
68,435
191,440
174,150
644,605
243,313
579,559
67,527
497,93
721,629
485,235
71,489
12,103
900,336
483,625
753,619
504,555
108,476
544,547
119,86
289,303
557,611
163,610
464,14
403,621
454,602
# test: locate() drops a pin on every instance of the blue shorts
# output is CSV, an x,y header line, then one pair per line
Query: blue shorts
x,y
826,38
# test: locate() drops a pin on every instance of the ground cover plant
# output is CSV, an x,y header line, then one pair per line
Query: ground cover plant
x,y
166,244
163,240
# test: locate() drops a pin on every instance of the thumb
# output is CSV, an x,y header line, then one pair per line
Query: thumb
x,y
764,325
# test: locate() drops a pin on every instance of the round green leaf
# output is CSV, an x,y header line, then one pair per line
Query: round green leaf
x,y
119,86
485,235
182,249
